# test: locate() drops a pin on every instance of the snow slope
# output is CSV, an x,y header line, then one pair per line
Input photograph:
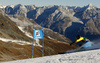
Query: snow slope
x,y
89,56
92,56
95,45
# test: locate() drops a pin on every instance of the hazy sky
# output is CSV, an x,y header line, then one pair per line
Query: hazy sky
x,y
52,2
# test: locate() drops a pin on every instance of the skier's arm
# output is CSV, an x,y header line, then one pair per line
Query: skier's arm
x,y
72,43
80,39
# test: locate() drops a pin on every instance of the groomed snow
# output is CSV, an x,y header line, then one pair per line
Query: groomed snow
x,y
89,56
92,56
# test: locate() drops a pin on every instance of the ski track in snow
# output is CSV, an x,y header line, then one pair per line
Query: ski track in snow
x,y
92,56
89,56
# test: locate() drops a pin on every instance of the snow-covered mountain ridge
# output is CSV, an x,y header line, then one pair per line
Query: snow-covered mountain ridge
x,y
62,19
2,6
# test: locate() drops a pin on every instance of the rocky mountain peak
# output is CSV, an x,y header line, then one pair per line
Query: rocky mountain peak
x,y
2,6
18,5
90,6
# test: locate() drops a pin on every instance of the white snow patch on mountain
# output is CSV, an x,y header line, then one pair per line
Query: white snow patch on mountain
x,y
21,23
91,6
37,43
26,33
29,35
12,6
22,42
2,6
15,41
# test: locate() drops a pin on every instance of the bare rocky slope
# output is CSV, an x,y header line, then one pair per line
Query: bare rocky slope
x,y
10,29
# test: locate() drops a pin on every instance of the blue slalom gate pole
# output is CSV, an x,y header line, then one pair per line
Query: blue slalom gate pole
x,y
33,43
42,43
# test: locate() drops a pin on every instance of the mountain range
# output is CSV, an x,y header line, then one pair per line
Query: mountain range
x,y
61,25
66,20
16,31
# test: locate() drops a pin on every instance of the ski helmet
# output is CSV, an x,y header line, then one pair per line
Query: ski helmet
x,y
78,36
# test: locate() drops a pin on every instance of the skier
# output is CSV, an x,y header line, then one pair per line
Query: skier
x,y
81,41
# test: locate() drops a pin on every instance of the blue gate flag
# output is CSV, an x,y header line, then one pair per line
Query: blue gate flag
x,y
37,34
